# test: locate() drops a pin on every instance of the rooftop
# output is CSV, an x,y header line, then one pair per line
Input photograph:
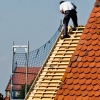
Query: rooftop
x,y
81,80
19,77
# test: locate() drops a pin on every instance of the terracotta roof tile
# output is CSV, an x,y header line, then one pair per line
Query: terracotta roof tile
x,y
88,25
76,52
88,42
95,42
74,70
91,93
61,97
74,58
80,64
89,36
79,98
76,87
97,53
82,53
93,31
66,92
60,92
87,76
67,97
85,59
95,36
80,70
83,87
68,70
84,47
98,82
98,42
65,86
92,64
83,37
91,20
96,9
90,47
70,75
78,47
75,76
93,26
95,82
78,93
85,98
97,93
86,31
90,87
90,59
81,42
82,81
96,88
98,65
70,87
64,78
98,71
98,26
72,97
97,59
83,75
88,82
76,81
79,59
85,65
96,48
97,20
92,15
84,93
94,76
69,81
94,70
72,93
87,70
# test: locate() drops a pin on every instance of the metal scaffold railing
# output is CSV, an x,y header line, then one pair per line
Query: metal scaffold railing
x,y
38,56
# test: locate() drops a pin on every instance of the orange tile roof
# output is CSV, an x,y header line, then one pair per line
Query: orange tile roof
x,y
81,80
19,77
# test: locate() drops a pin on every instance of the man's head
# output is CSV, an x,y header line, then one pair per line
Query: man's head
x,y
61,2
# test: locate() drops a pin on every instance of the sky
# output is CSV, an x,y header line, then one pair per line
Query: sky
x,y
35,21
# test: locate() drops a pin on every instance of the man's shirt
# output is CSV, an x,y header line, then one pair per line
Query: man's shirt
x,y
68,5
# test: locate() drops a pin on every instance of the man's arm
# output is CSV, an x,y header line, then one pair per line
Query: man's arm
x,y
74,5
62,11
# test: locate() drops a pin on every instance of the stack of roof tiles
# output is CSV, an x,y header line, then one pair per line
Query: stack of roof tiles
x,y
81,80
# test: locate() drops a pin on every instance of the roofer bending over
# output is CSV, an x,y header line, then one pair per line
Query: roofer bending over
x,y
69,10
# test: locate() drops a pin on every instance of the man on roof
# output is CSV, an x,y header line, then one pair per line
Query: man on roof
x,y
69,10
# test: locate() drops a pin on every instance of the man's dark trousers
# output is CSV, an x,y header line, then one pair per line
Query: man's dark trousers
x,y
69,14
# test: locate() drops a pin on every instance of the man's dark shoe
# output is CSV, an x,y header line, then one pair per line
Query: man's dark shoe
x,y
72,29
67,36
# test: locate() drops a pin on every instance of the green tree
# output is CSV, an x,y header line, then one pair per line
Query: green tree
x,y
22,92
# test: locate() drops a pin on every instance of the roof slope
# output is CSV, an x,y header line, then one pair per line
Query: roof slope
x,y
20,75
81,80
49,77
